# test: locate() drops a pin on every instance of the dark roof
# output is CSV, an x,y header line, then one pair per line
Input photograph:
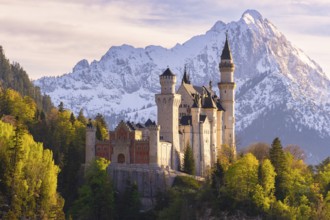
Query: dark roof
x,y
149,123
185,78
185,120
226,54
219,106
199,89
167,72
131,125
209,103
202,118
139,125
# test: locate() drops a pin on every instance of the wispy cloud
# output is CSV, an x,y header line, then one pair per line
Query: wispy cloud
x,y
48,37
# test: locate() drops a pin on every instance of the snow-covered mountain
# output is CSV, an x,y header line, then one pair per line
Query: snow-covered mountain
x,y
281,91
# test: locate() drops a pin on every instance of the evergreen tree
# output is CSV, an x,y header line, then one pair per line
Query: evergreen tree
x,y
81,117
72,118
278,160
188,161
96,196
61,107
101,127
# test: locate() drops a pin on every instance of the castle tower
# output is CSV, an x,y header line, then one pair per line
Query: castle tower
x,y
227,96
90,143
196,134
168,114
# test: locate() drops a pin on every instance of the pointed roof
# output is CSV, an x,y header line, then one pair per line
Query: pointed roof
x,y
209,103
185,78
149,123
167,72
226,53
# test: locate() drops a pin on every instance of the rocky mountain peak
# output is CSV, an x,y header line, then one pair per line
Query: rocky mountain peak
x,y
280,90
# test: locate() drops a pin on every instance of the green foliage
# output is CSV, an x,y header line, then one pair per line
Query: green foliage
x,y
245,172
278,159
182,199
129,203
188,161
13,76
12,103
28,176
101,127
96,196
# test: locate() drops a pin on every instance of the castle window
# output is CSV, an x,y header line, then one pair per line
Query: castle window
x,y
121,158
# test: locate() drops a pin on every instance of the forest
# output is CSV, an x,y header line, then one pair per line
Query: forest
x,y
41,174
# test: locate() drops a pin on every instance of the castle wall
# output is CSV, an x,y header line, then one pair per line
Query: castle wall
x,y
212,116
150,180
205,163
139,152
103,149
186,101
219,133
90,144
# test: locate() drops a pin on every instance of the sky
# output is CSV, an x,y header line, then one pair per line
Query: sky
x,y
49,37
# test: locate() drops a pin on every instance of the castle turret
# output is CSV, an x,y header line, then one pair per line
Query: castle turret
x,y
154,145
90,143
168,114
227,95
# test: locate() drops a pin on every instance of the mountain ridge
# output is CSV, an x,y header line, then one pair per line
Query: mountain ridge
x,y
121,85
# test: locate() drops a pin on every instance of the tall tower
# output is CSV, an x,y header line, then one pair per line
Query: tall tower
x,y
227,96
168,114
90,143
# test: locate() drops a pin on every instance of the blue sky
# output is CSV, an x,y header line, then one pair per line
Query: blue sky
x,y
49,37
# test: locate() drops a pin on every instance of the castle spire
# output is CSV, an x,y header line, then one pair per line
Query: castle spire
x,y
185,78
226,53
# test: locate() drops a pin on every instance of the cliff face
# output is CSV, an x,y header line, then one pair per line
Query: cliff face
x,y
280,90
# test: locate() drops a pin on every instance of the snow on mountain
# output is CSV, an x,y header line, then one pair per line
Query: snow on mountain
x,y
280,90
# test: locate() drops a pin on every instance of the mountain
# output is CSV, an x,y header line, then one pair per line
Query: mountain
x,y
280,90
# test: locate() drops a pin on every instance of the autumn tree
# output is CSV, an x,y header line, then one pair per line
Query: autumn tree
x,y
101,127
29,180
260,150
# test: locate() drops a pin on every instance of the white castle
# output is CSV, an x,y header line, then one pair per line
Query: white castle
x,y
192,117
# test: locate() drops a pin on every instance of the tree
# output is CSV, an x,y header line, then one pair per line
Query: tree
x,y
28,177
188,161
72,118
242,177
278,159
297,152
101,127
259,150
61,107
81,117
96,196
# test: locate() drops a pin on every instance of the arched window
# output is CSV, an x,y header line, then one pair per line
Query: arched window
x,y
121,158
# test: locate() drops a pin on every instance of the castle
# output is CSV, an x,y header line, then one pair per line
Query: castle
x,y
192,116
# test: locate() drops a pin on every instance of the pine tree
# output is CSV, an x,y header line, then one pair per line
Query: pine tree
x,y
278,160
61,107
189,162
81,117
72,118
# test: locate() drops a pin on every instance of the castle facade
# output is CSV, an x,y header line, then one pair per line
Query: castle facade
x,y
192,116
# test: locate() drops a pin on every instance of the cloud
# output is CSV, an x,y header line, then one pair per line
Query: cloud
x,y
50,36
